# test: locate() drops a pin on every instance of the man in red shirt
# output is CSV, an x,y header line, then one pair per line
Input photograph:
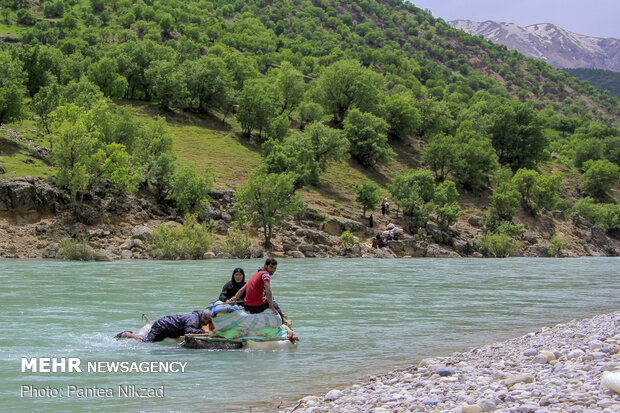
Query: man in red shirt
x,y
258,296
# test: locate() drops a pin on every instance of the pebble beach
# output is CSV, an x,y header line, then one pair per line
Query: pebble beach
x,y
555,369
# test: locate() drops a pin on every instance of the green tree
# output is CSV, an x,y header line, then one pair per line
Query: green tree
x,y
291,85
401,115
367,135
293,158
83,93
436,117
104,74
12,89
476,158
113,167
266,200
505,200
72,153
188,190
258,103
346,83
309,112
517,136
327,144
446,206
367,195
442,155
167,84
588,149
209,83
599,177
414,192
45,101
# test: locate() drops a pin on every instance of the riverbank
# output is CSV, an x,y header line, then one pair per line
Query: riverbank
x,y
555,369
35,217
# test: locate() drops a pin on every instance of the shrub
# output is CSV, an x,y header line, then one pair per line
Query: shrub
x,y
74,250
310,112
189,241
348,239
497,245
189,190
607,216
557,245
238,243
600,176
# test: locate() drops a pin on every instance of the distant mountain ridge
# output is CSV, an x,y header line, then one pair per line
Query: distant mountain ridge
x,y
548,42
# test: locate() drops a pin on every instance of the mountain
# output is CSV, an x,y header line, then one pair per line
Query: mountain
x,y
545,41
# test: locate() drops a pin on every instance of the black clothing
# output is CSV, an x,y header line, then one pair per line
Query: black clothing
x,y
371,222
231,288
255,309
175,326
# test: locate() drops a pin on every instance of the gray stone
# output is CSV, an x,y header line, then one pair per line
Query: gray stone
x,y
333,395
476,221
444,371
487,405
462,247
137,244
142,232
530,352
540,359
126,255
438,235
306,248
208,255
558,215
471,408
295,254
336,226
519,378
319,237
575,353
288,244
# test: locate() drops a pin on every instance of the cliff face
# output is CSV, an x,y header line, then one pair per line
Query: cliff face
x,y
35,216
545,41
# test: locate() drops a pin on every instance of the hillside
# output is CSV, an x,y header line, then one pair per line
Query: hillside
x,y
318,97
547,42
601,79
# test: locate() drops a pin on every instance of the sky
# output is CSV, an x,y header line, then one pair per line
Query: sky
x,y
599,18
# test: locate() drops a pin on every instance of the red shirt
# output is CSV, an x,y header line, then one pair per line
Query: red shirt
x,y
255,291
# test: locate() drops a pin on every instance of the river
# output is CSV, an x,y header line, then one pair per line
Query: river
x,y
354,317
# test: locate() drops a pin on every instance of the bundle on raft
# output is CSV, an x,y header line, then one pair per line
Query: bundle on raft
x,y
233,328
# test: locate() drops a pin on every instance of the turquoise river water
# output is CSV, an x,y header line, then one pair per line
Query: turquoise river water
x,y
354,318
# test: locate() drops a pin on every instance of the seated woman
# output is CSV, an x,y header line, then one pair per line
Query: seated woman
x,y
234,285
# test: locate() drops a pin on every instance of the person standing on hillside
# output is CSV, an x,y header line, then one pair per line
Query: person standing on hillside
x,y
258,297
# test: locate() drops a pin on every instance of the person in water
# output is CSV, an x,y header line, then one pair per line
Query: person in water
x,y
258,297
173,326
234,285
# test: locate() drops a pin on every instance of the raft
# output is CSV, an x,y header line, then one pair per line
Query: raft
x,y
232,329
209,341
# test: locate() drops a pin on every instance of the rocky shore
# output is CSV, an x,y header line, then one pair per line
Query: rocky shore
x,y
555,369
35,217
